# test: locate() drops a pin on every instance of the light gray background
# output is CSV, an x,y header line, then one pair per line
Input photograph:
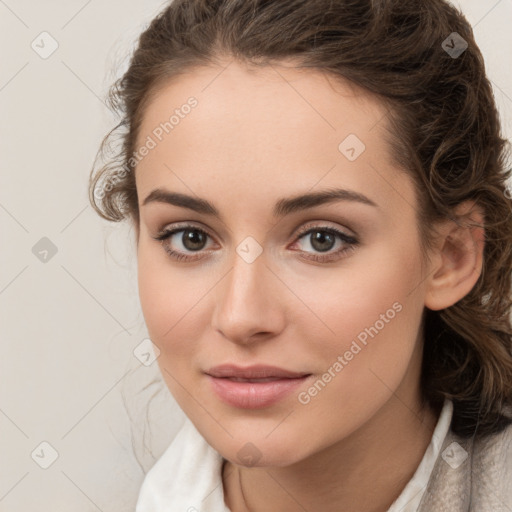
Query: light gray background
x,y
70,324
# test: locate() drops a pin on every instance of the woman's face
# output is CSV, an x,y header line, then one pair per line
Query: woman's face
x,y
330,290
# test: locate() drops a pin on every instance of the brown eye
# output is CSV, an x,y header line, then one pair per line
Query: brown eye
x,y
322,239
192,240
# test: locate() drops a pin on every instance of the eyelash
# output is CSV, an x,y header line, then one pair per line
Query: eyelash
x,y
352,242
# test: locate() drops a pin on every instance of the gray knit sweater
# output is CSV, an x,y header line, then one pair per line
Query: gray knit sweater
x,y
473,475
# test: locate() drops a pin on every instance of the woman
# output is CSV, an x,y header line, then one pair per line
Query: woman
x,y
324,242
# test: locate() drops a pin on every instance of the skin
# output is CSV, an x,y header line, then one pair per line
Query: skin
x,y
257,136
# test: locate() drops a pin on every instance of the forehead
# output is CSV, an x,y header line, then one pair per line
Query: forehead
x,y
278,97
269,128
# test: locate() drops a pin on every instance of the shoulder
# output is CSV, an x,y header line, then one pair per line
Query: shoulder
x,y
472,474
492,468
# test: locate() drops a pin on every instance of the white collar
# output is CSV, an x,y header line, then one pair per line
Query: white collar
x,y
188,476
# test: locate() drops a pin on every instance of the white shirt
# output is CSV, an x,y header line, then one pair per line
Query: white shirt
x,y
188,476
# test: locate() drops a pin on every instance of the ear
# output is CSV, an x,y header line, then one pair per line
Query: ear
x,y
457,261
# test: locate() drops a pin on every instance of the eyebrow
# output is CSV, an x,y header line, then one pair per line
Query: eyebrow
x,y
284,206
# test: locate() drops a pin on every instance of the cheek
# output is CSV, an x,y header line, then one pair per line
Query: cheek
x,y
346,301
156,297
370,318
167,298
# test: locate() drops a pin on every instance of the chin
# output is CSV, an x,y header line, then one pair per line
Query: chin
x,y
261,450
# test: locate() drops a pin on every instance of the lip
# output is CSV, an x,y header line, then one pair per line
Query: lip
x,y
260,385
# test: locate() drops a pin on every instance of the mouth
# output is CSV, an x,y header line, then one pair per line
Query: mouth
x,y
254,372
255,387
238,379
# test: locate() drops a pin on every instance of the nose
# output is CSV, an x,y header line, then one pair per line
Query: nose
x,y
249,303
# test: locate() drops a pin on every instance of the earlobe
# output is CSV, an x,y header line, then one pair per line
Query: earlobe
x,y
458,262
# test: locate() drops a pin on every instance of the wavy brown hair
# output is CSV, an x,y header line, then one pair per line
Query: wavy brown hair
x,y
444,131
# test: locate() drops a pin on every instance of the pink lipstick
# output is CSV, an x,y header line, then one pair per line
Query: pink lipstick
x,y
253,387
